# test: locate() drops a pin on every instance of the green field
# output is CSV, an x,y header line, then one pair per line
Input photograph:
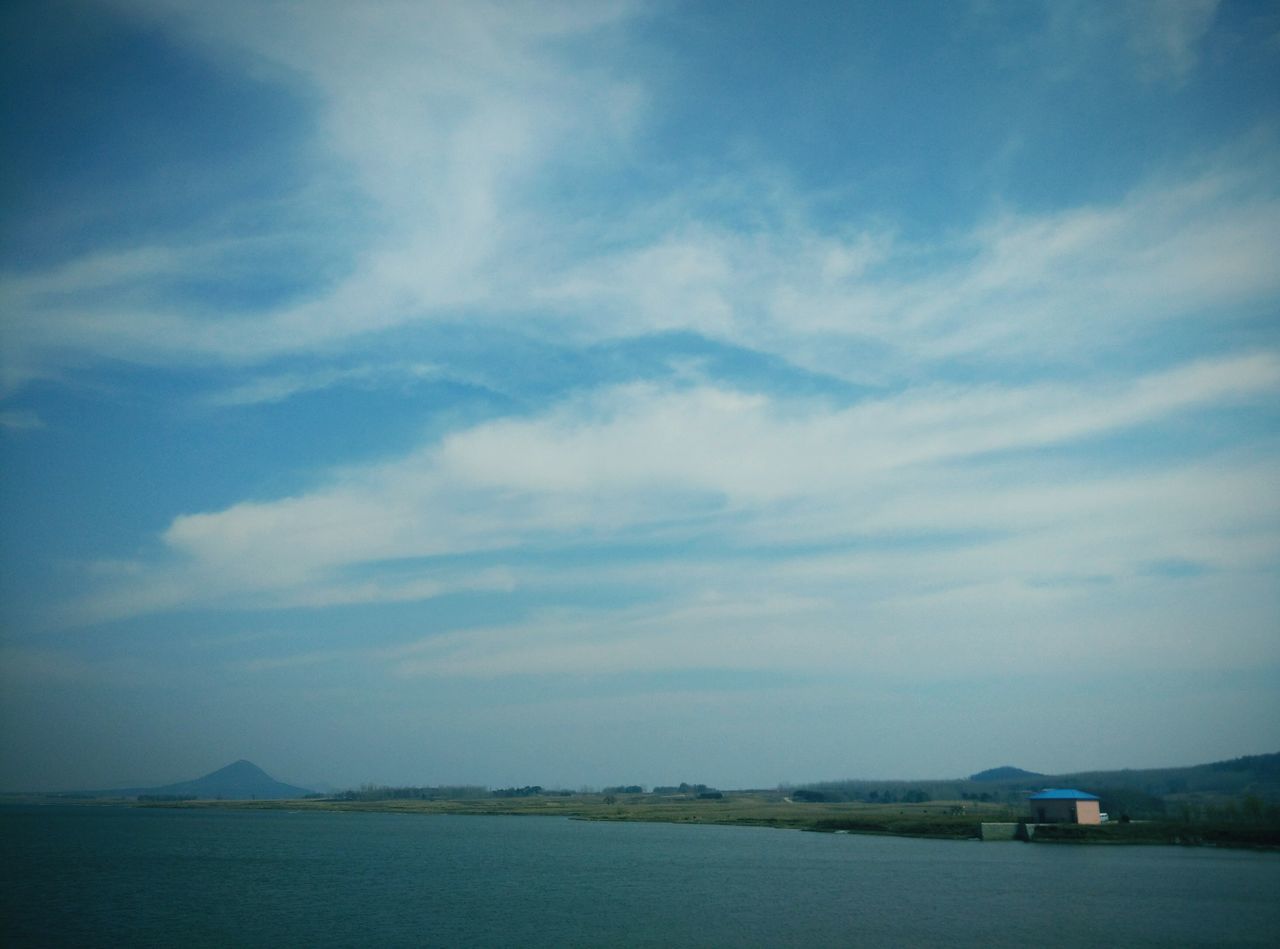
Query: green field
x,y
1204,833
749,808
941,819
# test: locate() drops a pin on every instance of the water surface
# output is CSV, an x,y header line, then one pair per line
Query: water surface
x,y
128,876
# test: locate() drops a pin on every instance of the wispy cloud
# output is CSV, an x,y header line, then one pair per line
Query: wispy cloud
x,y
1165,34
698,461
698,347
283,386
1050,288
459,161
19,420
1159,40
442,113
868,618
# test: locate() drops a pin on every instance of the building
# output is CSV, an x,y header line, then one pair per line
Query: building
x,y
1064,806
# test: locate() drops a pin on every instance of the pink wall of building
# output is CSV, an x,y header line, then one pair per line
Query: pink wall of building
x,y
1088,812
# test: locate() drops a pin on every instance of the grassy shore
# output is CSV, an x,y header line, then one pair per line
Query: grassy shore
x,y
1203,833
936,819
954,820
754,809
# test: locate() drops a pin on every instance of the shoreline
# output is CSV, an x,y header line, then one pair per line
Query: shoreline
x,y
933,820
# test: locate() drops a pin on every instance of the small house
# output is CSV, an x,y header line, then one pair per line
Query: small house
x,y
1064,806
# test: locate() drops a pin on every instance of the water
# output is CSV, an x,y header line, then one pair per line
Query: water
x,y
139,877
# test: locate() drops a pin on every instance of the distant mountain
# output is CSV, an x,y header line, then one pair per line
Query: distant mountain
x,y
240,781
1005,773
1253,774
1129,791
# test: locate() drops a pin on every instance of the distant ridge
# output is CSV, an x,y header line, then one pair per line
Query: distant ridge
x,y
1258,774
1129,790
1004,773
239,781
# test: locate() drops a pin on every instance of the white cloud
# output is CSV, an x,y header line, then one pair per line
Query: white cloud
x,y
1054,287
455,120
282,386
445,112
1162,37
441,112
988,607
1165,34
640,461
20,420
1041,462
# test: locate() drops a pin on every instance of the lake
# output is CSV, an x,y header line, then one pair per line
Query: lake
x,y
131,876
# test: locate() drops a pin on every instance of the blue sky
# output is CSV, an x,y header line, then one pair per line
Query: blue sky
x,y
584,393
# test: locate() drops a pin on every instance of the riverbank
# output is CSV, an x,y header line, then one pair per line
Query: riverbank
x,y
1203,834
935,819
753,809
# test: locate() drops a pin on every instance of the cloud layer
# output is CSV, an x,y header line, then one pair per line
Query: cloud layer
x,y
595,368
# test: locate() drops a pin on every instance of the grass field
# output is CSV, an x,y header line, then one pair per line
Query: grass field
x,y
942,819
758,809
1202,833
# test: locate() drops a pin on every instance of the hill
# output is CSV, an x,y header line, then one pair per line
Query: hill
x,y
240,781
1147,791
1254,774
1004,773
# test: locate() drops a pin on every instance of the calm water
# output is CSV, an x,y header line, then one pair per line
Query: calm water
x,y
121,876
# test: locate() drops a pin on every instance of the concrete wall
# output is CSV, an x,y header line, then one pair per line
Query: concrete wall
x,y
999,831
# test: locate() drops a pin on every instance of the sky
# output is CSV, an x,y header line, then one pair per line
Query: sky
x,y
590,393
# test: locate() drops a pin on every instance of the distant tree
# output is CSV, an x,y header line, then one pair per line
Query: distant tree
x,y
1136,803
808,796
532,790
686,788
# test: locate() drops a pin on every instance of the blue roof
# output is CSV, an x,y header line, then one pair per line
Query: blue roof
x,y
1062,794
